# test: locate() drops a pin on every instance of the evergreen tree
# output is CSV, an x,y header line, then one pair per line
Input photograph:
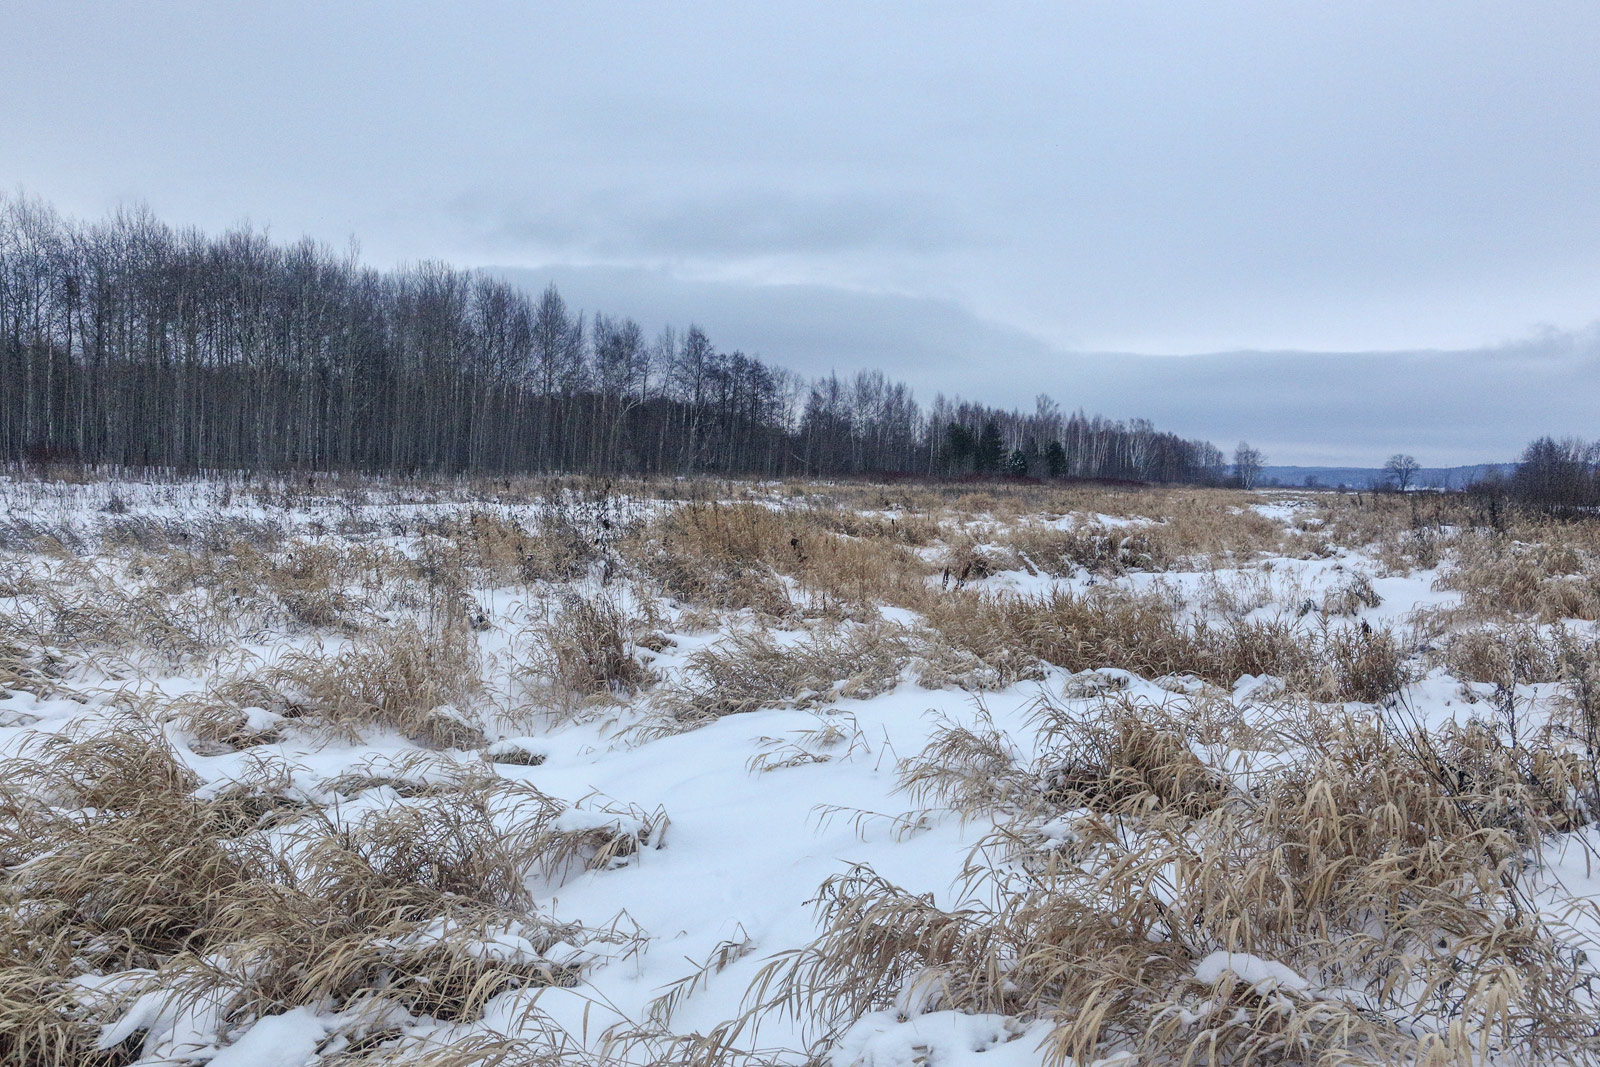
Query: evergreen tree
x,y
1017,464
959,446
991,449
1055,460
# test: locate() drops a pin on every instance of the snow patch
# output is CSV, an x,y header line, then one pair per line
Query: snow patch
x,y
943,1038
1262,975
287,1040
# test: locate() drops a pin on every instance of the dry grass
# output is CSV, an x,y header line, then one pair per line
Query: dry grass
x,y
1143,633
421,904
587,650
1552,579
754,670
891,524
1173,531
1395,870
568,538
1371,863
29,669
416,681
967,559
230,715
1509,655
718,556
852,577
86,609
1094,548
1350,597
738,556
44,1022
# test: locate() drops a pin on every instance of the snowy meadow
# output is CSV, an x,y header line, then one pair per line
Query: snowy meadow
x,y
350,772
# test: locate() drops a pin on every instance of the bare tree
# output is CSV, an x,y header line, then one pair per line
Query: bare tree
x,y
1401,469
129,342
1247,464
1557,476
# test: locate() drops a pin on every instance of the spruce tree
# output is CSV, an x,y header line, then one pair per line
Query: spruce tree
x,y
1055,459
991,449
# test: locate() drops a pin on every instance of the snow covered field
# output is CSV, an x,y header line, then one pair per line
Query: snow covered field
x,y
514,772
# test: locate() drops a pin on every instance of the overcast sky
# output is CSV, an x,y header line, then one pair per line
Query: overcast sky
x,y
970,196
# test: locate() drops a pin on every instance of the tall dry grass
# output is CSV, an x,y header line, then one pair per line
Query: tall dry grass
x,y
1394,871
587,649
409,678
1551,579
421,906
754,669
1130,890
780,562
1145,633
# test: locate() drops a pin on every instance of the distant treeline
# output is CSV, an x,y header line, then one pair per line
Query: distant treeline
x,y
129,342
1555,476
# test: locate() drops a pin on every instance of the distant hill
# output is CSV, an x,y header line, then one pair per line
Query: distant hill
x,y
1371,477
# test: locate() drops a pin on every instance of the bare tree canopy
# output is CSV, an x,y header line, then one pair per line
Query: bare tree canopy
x,y
1558,476
1401,469
1247,464
127,342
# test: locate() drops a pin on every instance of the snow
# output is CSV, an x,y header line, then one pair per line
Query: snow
x,y
1252,687
1261,975
1280,510
287,1040
746,849
519,749
939,1039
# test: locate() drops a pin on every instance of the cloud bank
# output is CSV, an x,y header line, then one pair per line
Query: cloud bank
x,y
1310,408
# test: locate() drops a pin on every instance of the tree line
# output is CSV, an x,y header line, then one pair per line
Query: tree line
x,y
129,342
1555,476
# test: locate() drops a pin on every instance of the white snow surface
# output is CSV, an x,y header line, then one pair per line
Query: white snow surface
x,y
1262,975
287,1040
745,850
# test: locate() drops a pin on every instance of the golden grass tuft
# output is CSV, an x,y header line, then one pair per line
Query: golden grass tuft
x,y
968,560
587,650
43,1023
738,556
1143,633
1383,882
1350,596
753,670
407,678
718,556
418,902
1553,578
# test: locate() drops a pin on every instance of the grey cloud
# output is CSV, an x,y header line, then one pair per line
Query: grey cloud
x,y
1037,179
1356,408
633,226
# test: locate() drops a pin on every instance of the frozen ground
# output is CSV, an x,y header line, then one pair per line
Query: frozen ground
x,y
732,825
